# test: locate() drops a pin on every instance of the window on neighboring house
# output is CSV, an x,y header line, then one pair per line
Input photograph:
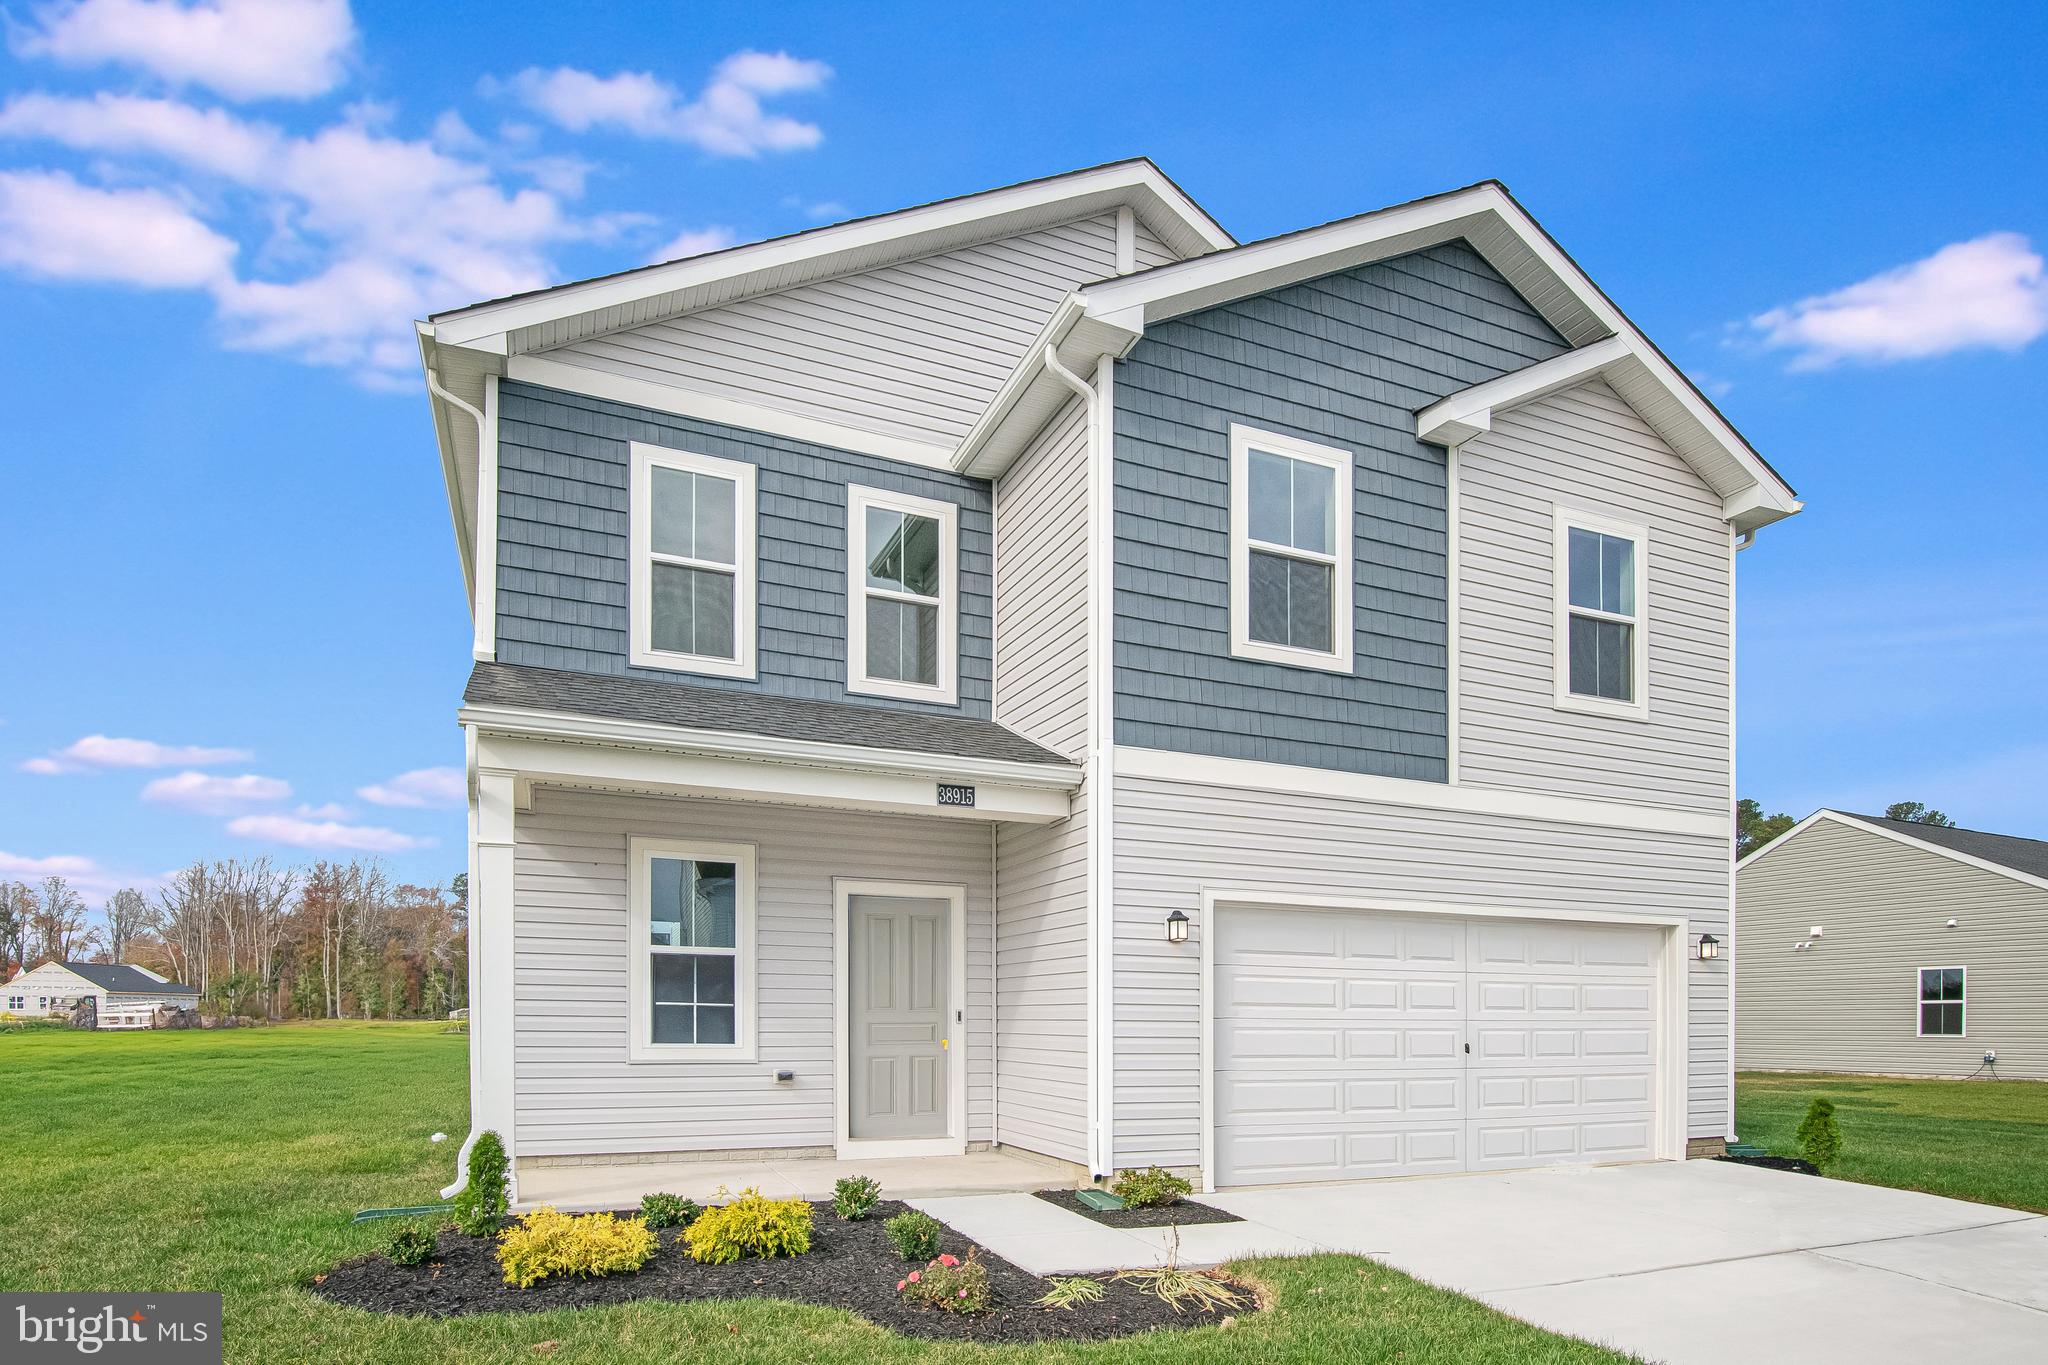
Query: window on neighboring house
x,y
692,546
17,1002
1290,551
1602,645
693,933
902,636
1941,1002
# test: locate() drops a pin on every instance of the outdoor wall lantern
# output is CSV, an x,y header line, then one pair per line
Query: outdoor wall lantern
x,y
1710,947
1176,928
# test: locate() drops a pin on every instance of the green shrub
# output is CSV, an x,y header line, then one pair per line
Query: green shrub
x,y
412,1243
547,1243
948,1283
915,1234
854,1197
1820,1137
667,1210
480,1208
751,1225
1153,1187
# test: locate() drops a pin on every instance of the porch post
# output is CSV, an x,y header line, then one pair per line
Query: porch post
x,y
491,953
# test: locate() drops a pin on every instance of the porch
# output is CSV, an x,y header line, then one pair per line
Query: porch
x,y
583,1188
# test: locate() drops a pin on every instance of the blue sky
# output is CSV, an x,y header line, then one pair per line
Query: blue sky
x,y
226,544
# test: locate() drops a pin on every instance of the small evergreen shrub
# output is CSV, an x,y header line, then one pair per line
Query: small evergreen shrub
x,y
480,1208
854,1197
1820,1137
667,1210
915,1234
1154,1187
948,1283
548,1243
412,1243
750,1225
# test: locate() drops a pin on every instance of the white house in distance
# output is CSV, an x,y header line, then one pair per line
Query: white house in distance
x,y
127,996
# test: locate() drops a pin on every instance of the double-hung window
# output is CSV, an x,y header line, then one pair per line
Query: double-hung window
x,y
692,546
902,631
1602,578
1941,1002
692,981
1290,551
16,1002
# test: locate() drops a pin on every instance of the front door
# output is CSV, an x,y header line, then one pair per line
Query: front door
x,y
899,1026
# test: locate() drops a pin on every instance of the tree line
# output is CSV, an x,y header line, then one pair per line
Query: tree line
x,y
329,940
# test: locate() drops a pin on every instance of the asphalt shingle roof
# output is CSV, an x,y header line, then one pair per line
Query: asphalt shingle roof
x,y
123,979
2007,850
661,702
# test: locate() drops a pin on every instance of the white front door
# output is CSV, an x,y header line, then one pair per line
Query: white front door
x,y
1351,1044
900,1017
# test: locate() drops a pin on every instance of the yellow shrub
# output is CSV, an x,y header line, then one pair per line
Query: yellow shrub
x,y
750,1225
547,1243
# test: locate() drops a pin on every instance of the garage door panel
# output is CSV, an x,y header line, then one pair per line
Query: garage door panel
x,y
1559,1044
1505,1093
1300,1099
1296,938
1510,1144
1243,1043
1291,1156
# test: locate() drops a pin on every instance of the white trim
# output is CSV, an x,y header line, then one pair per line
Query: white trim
x,y
745,571
1919,1030
1734,785
484,605
1466,798
1342,563
1672,1031
733,412
1567,520
1843,818
1102,748
1452,616
1469,412
641,850
858,500
954,1143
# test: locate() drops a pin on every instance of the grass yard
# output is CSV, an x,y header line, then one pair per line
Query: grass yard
x,y
232,1161
1980,1140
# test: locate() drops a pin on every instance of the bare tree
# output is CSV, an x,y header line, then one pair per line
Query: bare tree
x,y
127,916
58,921
184,921
17,912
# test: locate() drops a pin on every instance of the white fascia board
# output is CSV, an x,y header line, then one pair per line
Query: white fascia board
x,y
444,440
1906,840
1469,412
1031,395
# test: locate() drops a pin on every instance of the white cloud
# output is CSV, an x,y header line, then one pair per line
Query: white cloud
x,y
101,751
215,793
244,49
299,832
54,227
725,119
207,139
330,810
420,787
1987,292
692,242
85,876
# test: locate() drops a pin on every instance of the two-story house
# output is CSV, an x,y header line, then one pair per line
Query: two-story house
x,y
1031,670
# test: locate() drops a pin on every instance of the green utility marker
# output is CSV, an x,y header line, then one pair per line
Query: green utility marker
x,y
1102,1201
1745,1149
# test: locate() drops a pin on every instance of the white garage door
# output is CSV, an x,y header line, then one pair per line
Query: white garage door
x,y
1352,1044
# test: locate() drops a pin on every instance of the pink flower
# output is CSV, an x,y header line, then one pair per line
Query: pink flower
x,y
961,1295
949,1260
915,1277
899,1286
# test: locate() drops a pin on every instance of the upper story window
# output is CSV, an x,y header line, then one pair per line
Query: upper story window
x,y
902,630
692,548
692,924
1602,585
1290,551
1941,1002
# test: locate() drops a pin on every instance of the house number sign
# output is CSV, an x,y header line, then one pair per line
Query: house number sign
x,y
951,795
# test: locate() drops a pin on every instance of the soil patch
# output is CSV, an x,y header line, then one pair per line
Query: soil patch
x,y
850,1265
1184,1214
1774,1163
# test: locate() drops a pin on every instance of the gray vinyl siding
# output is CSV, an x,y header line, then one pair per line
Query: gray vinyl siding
x,y
1587,451
575,1091
912,350
1850,1003
564,469
1042,588
1345,360
1042,985
1175,838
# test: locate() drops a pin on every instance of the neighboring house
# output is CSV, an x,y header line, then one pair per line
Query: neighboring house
x,y
125,996
1028,669
1891,947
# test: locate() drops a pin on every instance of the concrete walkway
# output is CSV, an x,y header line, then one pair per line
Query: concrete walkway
x,y
1696,1263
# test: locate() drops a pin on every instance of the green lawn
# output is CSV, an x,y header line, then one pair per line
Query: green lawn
x,y
232,1161
1980,1140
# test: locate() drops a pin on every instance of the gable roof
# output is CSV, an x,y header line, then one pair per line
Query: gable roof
x,y
123,979
2024,860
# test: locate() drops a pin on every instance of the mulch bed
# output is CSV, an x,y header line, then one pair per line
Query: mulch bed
x,y
1774,1163
850,1265
1186,1213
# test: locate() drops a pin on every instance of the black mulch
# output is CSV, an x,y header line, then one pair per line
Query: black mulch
x,y
1774,1163
850,1265
1184,1214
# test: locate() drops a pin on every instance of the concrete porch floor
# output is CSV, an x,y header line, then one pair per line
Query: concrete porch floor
x,y
583,1189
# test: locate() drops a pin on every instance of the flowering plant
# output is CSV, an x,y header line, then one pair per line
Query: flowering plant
x,y
948,1283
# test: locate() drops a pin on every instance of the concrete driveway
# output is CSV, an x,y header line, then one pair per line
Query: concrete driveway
x,y
1695,1263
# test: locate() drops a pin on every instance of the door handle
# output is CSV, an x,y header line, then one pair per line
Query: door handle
x,y
1468,1049
945,1044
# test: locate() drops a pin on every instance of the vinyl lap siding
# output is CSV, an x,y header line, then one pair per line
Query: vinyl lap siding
x,y
1849,1003
575,1091
1175,838
1587,451
1344,360
913,350
1042,588
1042,985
